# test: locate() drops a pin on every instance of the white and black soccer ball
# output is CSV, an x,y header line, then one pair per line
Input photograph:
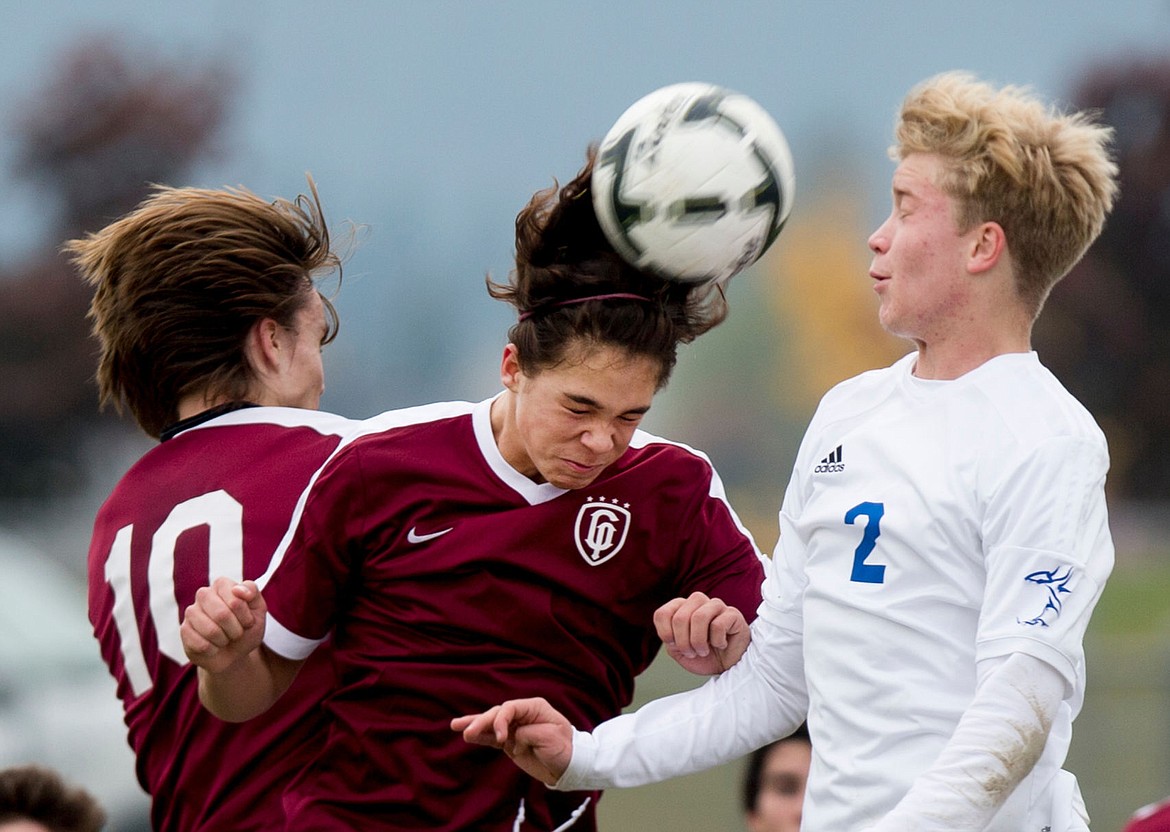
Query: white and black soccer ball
x,y
693,182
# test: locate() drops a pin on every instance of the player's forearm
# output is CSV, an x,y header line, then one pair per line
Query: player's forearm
x,y
249,687
995,746
760,699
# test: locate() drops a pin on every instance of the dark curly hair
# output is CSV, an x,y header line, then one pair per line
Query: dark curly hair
x,y
562,257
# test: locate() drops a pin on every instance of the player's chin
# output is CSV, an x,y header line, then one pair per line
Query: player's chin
x,y
573,483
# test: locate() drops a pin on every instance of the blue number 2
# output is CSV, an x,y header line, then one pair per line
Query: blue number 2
x,y
867,573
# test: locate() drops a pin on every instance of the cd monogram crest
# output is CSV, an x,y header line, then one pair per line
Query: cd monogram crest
x,y
601,529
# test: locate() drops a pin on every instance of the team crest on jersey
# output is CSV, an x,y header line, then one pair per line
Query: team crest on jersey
x,y
601,529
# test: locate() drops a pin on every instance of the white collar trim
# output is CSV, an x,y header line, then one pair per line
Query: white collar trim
x,y
534,493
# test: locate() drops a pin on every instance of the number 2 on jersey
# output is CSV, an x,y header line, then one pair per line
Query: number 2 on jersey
x,y
867,573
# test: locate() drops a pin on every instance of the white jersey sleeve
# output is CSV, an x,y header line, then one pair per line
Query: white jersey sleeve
x,y
1048,554
760,699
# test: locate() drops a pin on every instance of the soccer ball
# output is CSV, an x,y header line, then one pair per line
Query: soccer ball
x,y
693,182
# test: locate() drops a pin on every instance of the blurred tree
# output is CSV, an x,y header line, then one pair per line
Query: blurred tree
x,y
93,138
1105,331
826,300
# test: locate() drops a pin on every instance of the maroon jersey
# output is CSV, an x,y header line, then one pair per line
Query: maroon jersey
x,y
451,582
213,501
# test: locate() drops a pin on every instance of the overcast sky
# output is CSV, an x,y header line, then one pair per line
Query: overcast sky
x,y
432,121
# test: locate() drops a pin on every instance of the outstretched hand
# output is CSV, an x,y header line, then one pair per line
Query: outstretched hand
x,y
704,635
225,623
536,736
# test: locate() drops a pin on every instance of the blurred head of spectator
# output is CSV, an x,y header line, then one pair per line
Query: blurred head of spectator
x,y
773,784
37,799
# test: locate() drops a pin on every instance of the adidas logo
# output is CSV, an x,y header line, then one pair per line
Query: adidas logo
x,y
832,464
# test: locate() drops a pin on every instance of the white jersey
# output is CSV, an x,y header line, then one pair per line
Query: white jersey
x,y
928,526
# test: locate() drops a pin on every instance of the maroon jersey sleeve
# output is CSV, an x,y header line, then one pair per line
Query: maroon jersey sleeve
x,y
214,501
319,567
722,560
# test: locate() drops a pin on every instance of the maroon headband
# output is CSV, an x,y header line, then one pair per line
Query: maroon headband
x,y
524,316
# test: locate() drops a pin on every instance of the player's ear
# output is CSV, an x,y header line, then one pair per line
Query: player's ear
x,y
987,246
510,371
263,347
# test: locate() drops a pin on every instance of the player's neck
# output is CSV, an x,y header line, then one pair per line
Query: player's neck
x,y
193,404
991,322
504,431
956,354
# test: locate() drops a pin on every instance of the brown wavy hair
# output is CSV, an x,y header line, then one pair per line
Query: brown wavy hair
x,y
180,281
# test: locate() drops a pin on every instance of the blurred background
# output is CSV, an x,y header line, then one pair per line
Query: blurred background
x,y
427,124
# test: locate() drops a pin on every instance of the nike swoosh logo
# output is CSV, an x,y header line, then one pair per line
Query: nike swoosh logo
x,y
414,537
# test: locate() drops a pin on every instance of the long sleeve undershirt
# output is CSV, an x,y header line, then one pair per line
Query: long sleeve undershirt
x,y
997,742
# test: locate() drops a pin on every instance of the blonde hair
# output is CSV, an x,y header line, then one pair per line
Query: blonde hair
x,y
1047,178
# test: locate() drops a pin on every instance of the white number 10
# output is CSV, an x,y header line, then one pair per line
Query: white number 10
x,y
224,517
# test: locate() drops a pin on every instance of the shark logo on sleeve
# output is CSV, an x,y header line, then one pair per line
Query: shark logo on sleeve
x,y
1055,583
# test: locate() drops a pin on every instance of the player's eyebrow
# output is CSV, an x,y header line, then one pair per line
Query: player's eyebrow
x,y
586,401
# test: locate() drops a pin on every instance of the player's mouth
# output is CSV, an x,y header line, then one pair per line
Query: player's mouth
x,y
879,280
581,468
576,475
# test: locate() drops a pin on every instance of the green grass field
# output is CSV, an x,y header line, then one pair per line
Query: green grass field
x,y
1137,598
